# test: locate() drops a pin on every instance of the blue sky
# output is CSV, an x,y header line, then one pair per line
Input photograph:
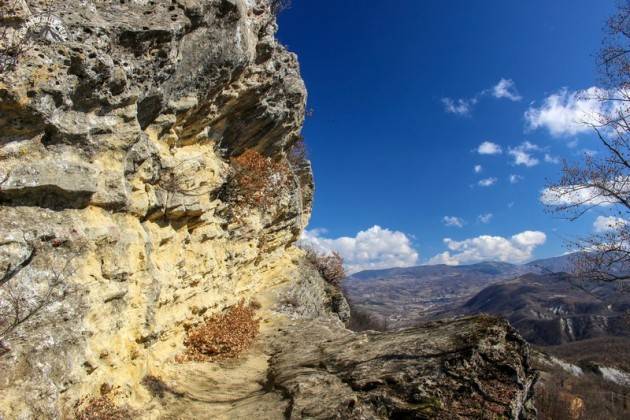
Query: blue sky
x,y
386,150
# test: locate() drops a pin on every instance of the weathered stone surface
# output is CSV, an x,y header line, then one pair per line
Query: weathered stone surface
x,y
467,368
117,125
14,10
311,298
50,183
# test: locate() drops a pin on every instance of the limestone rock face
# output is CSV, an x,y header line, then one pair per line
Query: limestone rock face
x,y
118,122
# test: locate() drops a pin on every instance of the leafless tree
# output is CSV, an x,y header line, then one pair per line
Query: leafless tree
x,y
18,302
603,181
615,54
278,6
297,155
297,158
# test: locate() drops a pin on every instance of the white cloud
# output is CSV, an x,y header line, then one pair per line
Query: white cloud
x,y
489,148
515,178
522,155
478,169
608,223
487,182
461,107
517,249
526,145
567,113
485,218
506,89
523,158
575,195
551,159
453,221
373,248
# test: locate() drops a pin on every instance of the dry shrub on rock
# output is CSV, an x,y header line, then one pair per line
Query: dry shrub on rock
x,y
297,155
100,408
256,182
222,336
277,6
560,395
329,265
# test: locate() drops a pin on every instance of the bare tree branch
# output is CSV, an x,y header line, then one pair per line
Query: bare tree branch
x,y
18,267
604,182
19,302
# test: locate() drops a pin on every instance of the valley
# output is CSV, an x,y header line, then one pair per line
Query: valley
x,y
579,329
568,316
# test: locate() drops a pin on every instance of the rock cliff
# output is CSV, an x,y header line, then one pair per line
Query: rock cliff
x,y
119,124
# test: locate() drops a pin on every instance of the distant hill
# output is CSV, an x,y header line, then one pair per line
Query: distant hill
x,y
547,304
486,268
560,264
553,309
404,295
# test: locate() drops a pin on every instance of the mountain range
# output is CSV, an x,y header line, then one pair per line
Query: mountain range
x,y
545,302
404,295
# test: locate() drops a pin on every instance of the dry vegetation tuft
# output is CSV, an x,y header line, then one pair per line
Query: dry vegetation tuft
x,y
256,182
297,155
329,266
100,408
562,396
277,6
222,336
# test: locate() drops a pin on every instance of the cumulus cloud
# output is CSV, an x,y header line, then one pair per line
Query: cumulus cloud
x,y
489,148
487,182
485,218
370,249
506,89
605,224
551,159
523,158
515,178
461,107
478,169
516,249
453,221
567,113
522,154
